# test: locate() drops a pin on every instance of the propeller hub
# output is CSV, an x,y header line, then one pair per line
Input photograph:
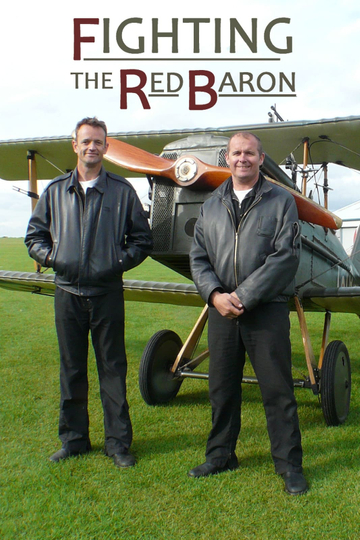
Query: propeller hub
x,y
185,169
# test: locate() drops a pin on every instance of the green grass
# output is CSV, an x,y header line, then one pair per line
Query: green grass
x,y
88,498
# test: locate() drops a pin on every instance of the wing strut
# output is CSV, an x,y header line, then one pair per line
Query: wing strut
x,y
305,164
33,187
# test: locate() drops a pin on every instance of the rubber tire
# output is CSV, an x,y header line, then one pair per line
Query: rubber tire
x,y
156,381
335,383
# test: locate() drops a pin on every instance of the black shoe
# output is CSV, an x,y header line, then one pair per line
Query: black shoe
x,y
63,453
295,483
207,468
124,460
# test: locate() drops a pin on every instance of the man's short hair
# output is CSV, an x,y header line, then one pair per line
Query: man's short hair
x,y
246,135
93,122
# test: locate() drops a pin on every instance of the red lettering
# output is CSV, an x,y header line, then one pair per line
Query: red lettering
x,y
81,39
125,90
207,88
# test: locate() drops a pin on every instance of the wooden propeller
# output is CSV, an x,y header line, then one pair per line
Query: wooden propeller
x,y
188,170
185,171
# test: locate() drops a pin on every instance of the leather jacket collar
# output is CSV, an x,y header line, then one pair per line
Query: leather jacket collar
x,y
100,184
224,191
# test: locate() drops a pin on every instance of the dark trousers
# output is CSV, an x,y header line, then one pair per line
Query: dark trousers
x,y
264,334
103,316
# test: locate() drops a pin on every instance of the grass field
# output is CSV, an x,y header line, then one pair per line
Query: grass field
x,y
88,498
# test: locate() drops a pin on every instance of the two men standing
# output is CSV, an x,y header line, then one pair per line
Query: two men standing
x,y
89,226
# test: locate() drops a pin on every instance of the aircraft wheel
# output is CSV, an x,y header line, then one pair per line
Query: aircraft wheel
x,y
156,381
335,383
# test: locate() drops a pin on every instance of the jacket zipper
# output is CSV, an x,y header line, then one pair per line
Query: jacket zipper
x,y
82,210
236,237
237,232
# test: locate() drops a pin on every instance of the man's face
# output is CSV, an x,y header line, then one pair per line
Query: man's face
x,y
90,145
244,161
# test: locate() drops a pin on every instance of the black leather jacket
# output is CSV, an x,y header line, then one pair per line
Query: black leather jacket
x,y
89,240
258,258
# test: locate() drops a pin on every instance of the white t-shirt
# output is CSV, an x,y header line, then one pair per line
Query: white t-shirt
x,y
241,194
86,184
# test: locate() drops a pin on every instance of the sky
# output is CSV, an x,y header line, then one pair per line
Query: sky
x,y
39,98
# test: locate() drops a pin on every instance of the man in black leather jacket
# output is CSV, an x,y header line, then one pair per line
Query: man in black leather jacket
x,y
90,227
244,258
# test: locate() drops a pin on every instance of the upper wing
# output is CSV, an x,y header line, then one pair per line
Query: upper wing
x,y
331,140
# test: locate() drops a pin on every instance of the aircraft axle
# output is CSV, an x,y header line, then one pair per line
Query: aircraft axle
x,y
188,374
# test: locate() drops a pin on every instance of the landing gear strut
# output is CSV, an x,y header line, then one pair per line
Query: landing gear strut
x,y
332,377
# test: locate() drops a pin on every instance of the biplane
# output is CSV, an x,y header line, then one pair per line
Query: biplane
x,y
183,167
